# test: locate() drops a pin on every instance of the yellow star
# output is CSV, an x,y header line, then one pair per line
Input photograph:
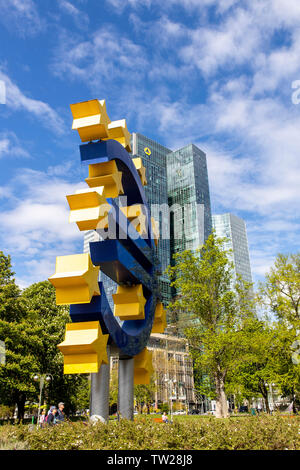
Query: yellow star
x,y
90,119
106,174
143,368
117,130
84,348
75,279
140,169
137,217
89,208
160,321
129,303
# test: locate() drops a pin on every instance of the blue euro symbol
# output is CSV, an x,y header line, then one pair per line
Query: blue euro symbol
x,y
127,260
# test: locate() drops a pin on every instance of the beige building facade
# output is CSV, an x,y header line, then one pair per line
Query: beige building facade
x,y
173,371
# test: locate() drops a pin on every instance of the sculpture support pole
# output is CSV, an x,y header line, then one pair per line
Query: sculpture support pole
x,y
99,402
125,395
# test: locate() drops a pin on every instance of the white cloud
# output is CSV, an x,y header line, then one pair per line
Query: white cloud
x,y
107,57
17,100
34,222
10,146
21,16
232,42
190,5
81,18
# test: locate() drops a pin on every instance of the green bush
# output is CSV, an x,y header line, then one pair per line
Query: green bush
x,y
164,407
247,433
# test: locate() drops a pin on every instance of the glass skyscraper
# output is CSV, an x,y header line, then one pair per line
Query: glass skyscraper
x,y
234,229
154,158
189,199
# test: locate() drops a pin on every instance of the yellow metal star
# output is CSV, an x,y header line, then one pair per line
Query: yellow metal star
x,y
137,217
84,348
160,320
75,279
129,303
138,163
117,130
90,119
89,208
143,368
106,174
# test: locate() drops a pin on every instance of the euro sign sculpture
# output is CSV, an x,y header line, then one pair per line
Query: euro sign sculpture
x,y
114,205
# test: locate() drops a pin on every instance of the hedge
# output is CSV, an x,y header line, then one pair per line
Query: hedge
x,y
247,433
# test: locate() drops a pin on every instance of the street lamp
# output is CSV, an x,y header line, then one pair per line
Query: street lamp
x,y
41,378
170,383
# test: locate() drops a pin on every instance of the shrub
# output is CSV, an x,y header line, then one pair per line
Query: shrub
x,y
245,433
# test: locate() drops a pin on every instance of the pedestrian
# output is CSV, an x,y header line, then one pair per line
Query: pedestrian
x,y
51,419
165,418
60,416
42,419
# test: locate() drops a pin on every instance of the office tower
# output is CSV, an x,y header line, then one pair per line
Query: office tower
x,y
232,227
189,199
154,158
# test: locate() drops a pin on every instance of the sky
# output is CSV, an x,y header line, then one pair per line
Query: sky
x,y
220,74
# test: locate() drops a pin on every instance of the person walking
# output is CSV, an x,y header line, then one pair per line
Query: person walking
x,y
60,416
51,419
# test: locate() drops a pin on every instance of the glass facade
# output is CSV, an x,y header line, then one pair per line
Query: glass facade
x,y
189,199
154,158
230,226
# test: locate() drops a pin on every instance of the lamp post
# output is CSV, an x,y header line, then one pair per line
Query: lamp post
x,y
41,378
170,383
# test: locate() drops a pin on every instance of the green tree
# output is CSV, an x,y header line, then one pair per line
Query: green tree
x,y
257,367
280,296
212,310
42,311
22,341
31,326
281,290
145,395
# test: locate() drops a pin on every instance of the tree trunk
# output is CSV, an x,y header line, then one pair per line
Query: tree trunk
x,y
221,399
21,407
264,392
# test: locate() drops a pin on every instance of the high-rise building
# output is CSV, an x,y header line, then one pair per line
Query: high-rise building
x,y
234,229
154,158
189,199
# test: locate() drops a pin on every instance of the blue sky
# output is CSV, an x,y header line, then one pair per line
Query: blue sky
x,y
215,73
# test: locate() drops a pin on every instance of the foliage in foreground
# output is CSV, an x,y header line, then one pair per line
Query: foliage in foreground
x,y
251,433
31,326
